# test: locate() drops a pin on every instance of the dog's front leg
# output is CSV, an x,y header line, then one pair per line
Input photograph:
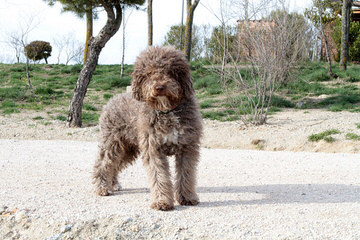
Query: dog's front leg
x,y
158,172
186,163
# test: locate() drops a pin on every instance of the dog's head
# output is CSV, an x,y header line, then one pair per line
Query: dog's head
x,y
161,78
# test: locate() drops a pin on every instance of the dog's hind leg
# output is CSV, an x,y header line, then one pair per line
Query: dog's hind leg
x,y
109,163
127,156
185,179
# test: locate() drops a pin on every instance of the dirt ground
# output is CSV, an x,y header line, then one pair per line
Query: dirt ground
x,y
285,131
278,191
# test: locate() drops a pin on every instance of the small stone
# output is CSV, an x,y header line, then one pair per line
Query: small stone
x,y
299,104
128,220
155,226
20,216
3,209
54,237
65,228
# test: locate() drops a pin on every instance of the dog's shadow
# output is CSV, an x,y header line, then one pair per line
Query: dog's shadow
x,y
270,194
281,193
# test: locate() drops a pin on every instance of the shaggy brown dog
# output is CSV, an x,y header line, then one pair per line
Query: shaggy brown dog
x,y
160,119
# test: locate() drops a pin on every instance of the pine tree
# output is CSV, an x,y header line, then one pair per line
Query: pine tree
x,y
81,8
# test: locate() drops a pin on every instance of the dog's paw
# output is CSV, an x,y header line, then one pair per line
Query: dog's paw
x,y
163,206
116,187
188,200
102,192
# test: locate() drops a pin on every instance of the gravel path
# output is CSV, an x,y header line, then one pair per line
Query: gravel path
x,y
46,193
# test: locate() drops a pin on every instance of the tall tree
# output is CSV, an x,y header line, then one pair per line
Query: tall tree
x,y
322,13
113,9
190,9
345,19
150,23
320,7
81,8
124,23
345,26
173,37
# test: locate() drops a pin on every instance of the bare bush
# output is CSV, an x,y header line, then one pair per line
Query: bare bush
x,y
19,39
270,47
69,49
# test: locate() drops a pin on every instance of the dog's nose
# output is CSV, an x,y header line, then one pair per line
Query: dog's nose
x,y
160,88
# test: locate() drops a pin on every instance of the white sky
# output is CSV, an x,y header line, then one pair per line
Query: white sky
x,y
53,23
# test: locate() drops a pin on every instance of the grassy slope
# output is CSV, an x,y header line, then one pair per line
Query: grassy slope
x,y
54,84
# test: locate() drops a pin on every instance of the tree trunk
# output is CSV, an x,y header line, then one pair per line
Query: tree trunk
x,y
150,23
327,54
27,72
123,47
188,28
182,26
345,23
89,29
96,44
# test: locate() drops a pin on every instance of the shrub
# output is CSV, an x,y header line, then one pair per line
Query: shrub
x,y
107,96
38,50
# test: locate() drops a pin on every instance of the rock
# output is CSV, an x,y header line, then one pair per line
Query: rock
x,y
54,237
3,209
66,228
299,104
21,215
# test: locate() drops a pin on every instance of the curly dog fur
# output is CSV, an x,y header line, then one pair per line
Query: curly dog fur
x,y
160,118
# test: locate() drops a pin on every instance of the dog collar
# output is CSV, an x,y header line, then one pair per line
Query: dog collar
x,y
164,112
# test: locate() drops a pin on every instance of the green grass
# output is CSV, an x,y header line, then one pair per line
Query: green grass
x,y
225,115
89,118
326,135
38,118
89,107
53,86
210,83
107,96
352,136
208,103
61,117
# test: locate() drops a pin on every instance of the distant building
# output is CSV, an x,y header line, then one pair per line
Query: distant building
x,y
245,47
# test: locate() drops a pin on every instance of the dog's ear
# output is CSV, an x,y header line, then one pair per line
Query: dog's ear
x,y
187,86
181,71
136,82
